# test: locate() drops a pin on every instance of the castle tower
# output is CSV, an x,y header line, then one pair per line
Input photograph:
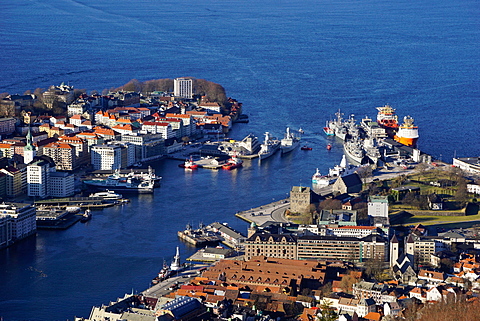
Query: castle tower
x,y
393,250
29,151
300,199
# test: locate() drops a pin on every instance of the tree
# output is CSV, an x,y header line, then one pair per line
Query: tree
x,y
347,282
78,92
409,199
365,173
328,312
461,193
422,168
133,85
330,204
446,265
362,210
452,308
399,180
374,269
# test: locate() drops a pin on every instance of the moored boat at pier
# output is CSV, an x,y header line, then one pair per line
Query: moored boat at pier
x,y
387,118
269,147
353,149
189,164
232,163
289,142
126,184
407,133
107,195
328,130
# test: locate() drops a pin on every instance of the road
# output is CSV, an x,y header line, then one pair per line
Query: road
x,y
273,212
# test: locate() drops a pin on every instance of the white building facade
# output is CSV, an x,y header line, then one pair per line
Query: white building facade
x,y
61,184
112,156
23,219
183,87
38,174
378,206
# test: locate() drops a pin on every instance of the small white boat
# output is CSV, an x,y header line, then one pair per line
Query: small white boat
x,y
87,216
73,209
107,195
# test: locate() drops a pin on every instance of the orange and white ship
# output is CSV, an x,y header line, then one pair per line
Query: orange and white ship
x,y
387,118
407,133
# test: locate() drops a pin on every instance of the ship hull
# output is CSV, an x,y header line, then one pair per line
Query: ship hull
x,y
412,142
328,131
120,188
288,147
352,156
267,154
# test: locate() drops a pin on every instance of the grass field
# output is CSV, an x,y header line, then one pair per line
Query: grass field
x,y
433,220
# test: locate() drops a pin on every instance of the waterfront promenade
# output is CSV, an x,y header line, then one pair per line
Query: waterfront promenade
x,y
273,212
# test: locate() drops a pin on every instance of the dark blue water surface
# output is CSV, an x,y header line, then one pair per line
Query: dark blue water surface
x,y
290,62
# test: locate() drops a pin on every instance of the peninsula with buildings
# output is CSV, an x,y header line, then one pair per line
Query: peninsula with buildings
x,y
392,238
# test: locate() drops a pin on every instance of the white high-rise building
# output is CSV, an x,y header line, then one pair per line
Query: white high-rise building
x,y
183,87
38,173
106,157
112,156
43,180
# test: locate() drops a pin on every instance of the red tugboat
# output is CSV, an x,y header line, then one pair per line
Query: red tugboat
x,y
305,147
189,164
233,162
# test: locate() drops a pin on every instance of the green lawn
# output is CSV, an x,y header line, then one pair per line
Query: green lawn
x,y
432,220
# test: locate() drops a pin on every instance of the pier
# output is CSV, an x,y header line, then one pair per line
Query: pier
x,y
82,202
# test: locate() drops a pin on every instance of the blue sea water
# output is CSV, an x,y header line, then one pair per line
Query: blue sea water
x,y
291,63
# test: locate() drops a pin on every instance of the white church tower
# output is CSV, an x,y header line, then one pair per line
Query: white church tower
x,y
29,151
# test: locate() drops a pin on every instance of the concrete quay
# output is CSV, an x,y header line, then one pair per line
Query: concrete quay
x,y
181,277
273,212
